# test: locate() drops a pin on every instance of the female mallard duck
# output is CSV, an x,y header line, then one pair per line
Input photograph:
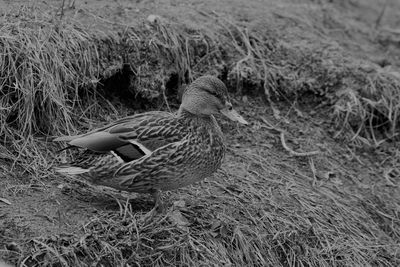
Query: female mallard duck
x,y
154,151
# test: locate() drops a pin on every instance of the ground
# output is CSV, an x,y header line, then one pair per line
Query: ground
x,y
295,188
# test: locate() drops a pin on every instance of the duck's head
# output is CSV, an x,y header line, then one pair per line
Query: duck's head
x,y
208,95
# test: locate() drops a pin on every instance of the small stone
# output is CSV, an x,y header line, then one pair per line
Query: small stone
x,y
153,18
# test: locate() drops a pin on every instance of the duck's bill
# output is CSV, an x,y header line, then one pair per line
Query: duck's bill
x,y
233,115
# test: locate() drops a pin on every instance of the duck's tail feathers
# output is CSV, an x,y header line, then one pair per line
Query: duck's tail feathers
x,y
65,138
71,170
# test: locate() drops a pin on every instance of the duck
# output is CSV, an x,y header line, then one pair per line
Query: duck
x,y
157,151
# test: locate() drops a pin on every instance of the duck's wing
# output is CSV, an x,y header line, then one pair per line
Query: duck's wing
x,y
131,137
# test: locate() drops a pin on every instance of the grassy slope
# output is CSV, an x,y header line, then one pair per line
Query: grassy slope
x,y
266,207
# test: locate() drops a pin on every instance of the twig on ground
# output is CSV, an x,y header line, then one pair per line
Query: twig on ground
x,y
380,17
285,146
386,175
314,171
5,201
294,153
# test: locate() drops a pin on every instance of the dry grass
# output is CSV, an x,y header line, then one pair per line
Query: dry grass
x,y
371,111
44,65
279,219
61,72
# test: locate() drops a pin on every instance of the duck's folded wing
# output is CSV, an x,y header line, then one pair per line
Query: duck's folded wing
x,y
129,138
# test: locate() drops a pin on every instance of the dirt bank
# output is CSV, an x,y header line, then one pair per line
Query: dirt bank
x,y
313,180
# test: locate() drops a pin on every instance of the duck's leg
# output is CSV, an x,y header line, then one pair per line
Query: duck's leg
x,y
158,205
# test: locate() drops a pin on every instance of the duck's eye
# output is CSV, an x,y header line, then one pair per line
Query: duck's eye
x,y
213,93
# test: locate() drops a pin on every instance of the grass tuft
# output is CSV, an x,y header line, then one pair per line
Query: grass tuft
x,y
372,111
44,65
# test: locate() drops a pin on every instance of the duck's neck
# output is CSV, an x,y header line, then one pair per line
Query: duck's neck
x,y
206,123
187,115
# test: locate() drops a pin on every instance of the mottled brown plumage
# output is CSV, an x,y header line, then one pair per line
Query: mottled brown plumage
x,y
155,151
